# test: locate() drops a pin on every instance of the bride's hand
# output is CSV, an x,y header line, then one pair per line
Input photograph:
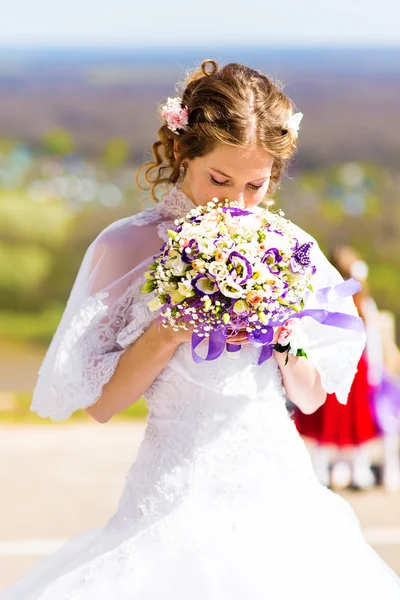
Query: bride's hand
x,y
277,332
239,339
242,337
171,337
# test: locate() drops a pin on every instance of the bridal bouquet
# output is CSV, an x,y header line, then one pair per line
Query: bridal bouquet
x,y
225,270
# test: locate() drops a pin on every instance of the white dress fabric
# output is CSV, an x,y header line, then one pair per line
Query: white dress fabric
x,y
222,502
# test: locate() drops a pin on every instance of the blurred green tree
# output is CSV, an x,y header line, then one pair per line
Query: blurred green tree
x,y
116,153
58,141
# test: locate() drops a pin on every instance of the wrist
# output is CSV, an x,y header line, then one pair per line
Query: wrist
x,y
284,358
166,335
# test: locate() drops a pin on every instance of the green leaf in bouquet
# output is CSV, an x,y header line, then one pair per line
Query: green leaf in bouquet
x,y
172,234
301,352
261,237
241,306
155,304
176,297
207,304
190,294
263,317
294,307
149,286
282,302
310,287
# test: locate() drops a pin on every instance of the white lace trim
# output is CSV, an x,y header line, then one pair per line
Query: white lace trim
x,y
85,359
175,204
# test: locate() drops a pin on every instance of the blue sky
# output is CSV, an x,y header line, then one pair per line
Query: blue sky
x,y
217,22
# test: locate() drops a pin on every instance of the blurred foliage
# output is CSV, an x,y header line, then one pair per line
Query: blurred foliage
x,y
28,327
59,142
18,411
47,221
116,153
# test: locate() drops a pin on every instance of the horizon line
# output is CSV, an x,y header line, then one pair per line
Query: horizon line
x,y
195,47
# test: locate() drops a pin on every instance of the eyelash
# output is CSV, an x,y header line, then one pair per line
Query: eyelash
x,y
222,183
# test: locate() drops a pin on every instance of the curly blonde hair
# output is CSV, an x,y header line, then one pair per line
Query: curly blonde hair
x,y
233,105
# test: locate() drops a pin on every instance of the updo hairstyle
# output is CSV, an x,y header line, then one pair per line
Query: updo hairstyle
x,y
233,105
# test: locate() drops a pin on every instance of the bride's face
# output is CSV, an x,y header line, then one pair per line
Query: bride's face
x,y
231,172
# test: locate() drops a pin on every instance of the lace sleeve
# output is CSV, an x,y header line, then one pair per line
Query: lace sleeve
x,y
334,352
105,314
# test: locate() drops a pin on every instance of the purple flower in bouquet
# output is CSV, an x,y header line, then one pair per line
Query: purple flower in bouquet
x,y
272,253
241,269
189,250
203,285
301,259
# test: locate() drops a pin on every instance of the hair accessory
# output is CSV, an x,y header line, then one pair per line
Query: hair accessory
x,y
294,123
175,116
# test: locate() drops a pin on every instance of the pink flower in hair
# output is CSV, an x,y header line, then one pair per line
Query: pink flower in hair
x,y
175,116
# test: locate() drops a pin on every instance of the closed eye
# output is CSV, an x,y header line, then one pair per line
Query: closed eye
x,y
222,183
216,182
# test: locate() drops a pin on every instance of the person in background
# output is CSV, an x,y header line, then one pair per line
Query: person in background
x,y
349,428
386,402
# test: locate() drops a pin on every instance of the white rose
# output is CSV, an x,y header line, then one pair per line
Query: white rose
x,y
249,284
208,225
231,289
248,249
206,246
185,287
296,336
260,273
267,292
177,266
223,243
274,240
219,270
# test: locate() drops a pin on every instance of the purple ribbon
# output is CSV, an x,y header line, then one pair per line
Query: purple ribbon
x,y
337,292
216,345
232,347
322,316
217,339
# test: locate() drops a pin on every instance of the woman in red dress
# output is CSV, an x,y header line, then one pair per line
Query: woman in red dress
x,y
348,428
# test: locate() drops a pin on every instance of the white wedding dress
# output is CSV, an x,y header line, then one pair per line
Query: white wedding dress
x,y
222,502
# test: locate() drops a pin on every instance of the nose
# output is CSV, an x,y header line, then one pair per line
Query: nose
x,y
240,199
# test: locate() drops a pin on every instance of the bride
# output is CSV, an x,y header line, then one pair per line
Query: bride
x,y
222,502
